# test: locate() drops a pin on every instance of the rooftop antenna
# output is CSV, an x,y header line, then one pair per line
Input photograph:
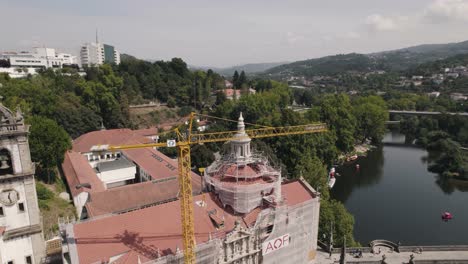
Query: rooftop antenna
x,y
97,40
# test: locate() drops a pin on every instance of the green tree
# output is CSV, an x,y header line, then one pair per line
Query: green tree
x,y
371,114
242,81
334,216
48,143
336,112
235,79
315,173
201,156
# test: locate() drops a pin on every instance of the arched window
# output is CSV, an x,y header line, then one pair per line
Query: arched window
x,y
6,166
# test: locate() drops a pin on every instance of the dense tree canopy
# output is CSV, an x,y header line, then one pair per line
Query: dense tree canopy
x,y
48,142
371,115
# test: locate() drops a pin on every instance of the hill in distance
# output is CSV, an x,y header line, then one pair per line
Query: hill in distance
x,y
247,68
394,60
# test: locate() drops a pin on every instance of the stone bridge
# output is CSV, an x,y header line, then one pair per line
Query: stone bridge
x,y
430,113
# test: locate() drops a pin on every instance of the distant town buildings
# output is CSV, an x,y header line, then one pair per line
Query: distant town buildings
x,y
20,64
458,97
39,58
95,53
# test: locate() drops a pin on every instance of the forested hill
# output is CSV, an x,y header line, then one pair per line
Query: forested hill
x,y
429,68
247,68
441,50
396,60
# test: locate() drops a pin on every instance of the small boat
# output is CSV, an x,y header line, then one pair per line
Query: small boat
x,y
331,182
331,178
352,158
447,216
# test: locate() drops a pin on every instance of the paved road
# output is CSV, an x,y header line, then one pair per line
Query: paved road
x,y
392,257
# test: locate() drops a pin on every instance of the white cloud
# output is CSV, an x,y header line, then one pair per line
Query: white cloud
x,y
447,10
292,38
377,22
351,35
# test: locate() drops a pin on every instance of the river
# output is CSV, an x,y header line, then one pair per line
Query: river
x,y
393,196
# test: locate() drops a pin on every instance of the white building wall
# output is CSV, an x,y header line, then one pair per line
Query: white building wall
x,y
116,57
27,61
40,58
79,201
92,54
118,175
14,73
13,217
16,250
94,159
44,52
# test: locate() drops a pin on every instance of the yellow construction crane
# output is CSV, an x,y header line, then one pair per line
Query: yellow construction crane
x,y
183,143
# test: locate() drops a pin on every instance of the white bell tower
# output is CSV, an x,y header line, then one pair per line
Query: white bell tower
x,y
21,238
240,146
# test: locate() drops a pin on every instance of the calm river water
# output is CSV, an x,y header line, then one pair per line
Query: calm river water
x,y
394,197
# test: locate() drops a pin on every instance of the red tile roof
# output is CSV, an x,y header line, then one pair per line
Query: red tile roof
x,y
296,192
108,137
147,232
136,196
158,165
244,172
146,131
230,92
78,171
157,230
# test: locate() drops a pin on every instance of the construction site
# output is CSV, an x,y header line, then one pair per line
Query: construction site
x,y
246,213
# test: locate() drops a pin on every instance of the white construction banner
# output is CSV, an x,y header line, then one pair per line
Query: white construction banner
x,y
171,143
275,244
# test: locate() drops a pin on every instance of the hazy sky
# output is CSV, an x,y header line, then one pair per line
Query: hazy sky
x,y
223,33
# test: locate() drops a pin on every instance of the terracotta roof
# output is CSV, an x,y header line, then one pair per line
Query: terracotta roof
x,y
146,232
230,92
108,137
136,196
245,171
251,218
78,171
296,192
146,131
158,165
157,229
2,230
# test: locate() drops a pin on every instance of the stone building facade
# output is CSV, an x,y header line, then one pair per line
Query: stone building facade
x,y
21,238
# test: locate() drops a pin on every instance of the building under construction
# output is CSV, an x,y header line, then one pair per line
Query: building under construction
x,y
247,215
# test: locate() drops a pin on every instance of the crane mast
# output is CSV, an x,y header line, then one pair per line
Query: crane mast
x,y
184,166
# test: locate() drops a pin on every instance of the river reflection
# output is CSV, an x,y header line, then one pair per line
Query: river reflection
x,y
393,196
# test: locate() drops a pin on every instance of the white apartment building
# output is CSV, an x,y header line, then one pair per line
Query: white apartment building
x,y
96,53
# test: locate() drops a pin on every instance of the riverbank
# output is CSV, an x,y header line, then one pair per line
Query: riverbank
x,y
359,150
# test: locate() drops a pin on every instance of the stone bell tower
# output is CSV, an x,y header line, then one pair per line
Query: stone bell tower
x,y
21,238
